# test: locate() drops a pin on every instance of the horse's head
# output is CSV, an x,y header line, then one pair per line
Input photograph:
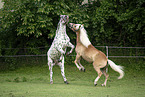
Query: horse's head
x,y
75,27
64,19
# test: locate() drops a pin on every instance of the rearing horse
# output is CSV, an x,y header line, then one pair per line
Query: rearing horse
x,y
58,48
87,51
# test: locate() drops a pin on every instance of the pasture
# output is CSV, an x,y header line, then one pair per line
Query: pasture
x,y
33,81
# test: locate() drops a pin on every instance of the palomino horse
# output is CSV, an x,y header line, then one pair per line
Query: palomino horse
x,y
87,51
58,48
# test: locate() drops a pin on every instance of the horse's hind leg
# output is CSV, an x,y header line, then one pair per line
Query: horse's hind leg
x,y
61,65
50,64
99,75
106,76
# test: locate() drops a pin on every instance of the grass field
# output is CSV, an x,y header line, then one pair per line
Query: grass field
x,y
34,82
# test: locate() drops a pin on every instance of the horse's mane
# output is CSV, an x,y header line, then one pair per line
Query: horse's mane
x,y
84,37
58,26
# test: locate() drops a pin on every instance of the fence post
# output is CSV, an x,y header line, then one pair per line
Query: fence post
x,y
107,51
107,56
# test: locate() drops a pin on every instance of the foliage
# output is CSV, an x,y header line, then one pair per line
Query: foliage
x,y
32,23
118,22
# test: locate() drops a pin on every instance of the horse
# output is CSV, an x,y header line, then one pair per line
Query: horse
x,y
88,52
58,48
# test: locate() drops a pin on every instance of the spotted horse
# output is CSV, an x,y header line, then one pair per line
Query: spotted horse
x,y
58,48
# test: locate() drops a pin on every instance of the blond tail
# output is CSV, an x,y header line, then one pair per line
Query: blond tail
x,y
117,68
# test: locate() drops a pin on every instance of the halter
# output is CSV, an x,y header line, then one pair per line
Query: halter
x,y
73,28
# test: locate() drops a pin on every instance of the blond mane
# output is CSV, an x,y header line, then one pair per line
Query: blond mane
x,y
84,37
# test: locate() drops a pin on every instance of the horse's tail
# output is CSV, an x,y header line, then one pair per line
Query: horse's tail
x,y
117,68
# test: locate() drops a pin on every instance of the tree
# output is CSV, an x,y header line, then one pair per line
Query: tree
x,y
32,23
118,22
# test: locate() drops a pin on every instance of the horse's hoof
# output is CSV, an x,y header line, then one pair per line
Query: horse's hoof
x,y
66,82
51,82
95,84
84,70
103,85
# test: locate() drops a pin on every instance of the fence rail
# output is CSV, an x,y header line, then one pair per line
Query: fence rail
x,y
139,52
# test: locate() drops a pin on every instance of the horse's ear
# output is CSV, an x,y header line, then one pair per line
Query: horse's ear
x,y
83,24
62,18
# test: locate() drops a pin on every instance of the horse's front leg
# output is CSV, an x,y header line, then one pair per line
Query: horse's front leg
x,y
61,65
77,60
59,48
72,47
82,67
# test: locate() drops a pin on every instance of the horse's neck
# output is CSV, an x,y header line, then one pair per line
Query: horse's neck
x,y
78,37
62,27
61,31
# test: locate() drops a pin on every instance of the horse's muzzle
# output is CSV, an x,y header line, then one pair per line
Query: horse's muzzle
x,y
70,25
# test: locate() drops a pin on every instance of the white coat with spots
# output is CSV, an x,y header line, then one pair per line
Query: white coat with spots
x,y
58,48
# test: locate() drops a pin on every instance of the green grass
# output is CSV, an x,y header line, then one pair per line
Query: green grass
x,y
34,82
